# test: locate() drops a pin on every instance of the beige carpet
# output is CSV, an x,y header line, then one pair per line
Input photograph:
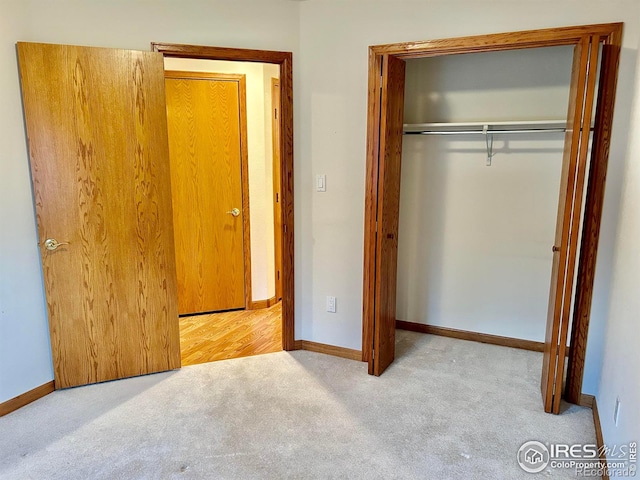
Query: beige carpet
x,y
446,409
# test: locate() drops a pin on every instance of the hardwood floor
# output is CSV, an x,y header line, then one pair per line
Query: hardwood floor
x,y
220,336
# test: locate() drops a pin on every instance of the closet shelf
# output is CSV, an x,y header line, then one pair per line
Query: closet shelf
x,y
484,128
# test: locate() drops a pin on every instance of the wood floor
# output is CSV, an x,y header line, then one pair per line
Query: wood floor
x,y
220,336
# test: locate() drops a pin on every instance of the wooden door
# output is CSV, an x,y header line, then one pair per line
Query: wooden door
x,y
277,194
565,248
391,120
97,134
206,114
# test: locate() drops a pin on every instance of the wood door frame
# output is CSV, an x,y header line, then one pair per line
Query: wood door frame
x,y
609,36
284,60
277,210
241,79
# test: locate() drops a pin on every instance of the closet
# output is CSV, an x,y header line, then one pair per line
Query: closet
x,y
478,209
500,143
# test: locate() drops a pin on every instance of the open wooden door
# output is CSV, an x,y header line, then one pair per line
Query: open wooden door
x,y
97,133
565,248
386,242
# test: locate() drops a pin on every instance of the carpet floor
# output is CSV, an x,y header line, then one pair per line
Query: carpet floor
x,y
446,409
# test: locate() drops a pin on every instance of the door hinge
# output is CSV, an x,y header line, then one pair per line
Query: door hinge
x,y
285,228
277,197
376,227
276,112
278,274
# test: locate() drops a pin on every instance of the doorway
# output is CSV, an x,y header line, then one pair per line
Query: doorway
x,y
251,145
113,186
385,128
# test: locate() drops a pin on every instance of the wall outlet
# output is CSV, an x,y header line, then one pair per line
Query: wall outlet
x,y
616,412
331,304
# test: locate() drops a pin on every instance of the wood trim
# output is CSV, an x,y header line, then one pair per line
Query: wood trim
x,y
260,304
286,201
599,435
219,53
328,349
471,336
277,211
586,400
591,402
547,37
26,398
593,212
284,59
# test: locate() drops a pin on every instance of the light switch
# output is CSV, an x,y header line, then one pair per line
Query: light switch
x,y
321,183
331,304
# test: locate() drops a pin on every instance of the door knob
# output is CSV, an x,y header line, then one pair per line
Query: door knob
x,y
52,244
235,212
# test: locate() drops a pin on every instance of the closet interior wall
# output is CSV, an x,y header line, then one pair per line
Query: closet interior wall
x,y
475,241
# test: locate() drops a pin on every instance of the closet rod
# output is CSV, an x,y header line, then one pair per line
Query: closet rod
x,y
486,128
480,132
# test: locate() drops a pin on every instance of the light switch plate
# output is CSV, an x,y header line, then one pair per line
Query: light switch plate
x,y
321,183
331,304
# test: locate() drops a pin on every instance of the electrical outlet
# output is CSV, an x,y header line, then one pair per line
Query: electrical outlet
x,y
331,304
616,412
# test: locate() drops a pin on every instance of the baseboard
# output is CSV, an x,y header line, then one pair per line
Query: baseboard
x,y
26,398
329,349
587,400
472,336
590,401
599,436
260,304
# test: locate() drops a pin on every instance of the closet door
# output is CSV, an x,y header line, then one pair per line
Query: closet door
x,y
391,120
565,248
97,131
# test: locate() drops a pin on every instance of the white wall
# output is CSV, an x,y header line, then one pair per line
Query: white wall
x,y
25,359
475,241
334,36
620,378
260,161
